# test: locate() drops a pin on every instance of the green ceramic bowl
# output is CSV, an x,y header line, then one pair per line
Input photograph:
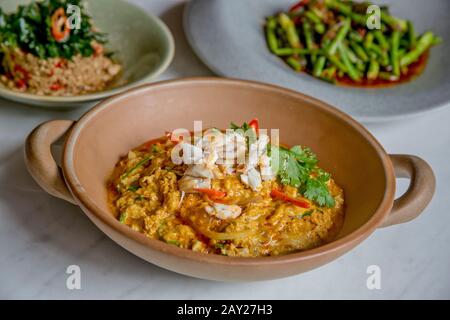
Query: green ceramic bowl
x,y
143,43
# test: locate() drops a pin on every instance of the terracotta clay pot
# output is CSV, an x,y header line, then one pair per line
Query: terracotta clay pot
x,y
356,160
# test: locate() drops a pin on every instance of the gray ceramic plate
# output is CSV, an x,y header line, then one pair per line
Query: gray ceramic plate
x,y
143,43
228,36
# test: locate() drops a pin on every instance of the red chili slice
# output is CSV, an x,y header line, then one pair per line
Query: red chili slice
x,y
60,64
60,26
19,69
254,124
299,5
56,87
302,203
21,84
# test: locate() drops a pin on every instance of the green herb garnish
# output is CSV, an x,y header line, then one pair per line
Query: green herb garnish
x,y
173,242
30,29
122,218
134,188
306,214
298,168
244,127
140,164
156,148
316,189
219,245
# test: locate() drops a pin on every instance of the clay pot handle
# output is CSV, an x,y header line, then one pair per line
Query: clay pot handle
x,y
40,161
420,191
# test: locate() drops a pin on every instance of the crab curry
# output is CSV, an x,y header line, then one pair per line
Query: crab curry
x,y
228,192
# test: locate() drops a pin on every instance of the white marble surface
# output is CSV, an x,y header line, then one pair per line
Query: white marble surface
x,y
40,236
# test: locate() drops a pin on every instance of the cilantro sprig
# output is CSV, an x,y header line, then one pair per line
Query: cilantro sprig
x,y
298,168
245,126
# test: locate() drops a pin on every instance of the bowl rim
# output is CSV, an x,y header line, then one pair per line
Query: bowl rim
x,y
336,246
167,58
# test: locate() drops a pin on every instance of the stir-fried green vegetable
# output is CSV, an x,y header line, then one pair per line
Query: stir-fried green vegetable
x,y
42,28
331,40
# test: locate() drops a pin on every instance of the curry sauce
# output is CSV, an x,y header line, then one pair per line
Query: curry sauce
x,y
147,193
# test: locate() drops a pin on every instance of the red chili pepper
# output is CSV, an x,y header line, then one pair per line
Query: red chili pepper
x,y
297,20
60,64
299,5
60,26
25,74
21,84
254,124
302,203
56,87
213,194
98,48
362,32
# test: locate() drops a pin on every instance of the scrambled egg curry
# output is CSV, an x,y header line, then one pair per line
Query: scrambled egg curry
x,y
211,206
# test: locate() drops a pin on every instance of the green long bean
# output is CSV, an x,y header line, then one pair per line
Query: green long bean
x,y
423,44
360,52
394,23
282,52
395,60
270,34
294,63
411,36
318,66
352,72
309,38
381,39
374,69
342,32
291,32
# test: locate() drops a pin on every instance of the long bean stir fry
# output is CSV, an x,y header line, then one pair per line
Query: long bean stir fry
x,y
333,41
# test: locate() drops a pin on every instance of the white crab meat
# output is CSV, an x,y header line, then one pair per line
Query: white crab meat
x,y
240,154
191,154
234,149
210,158
223,211
253,158
200,171
213,139
266,168
228,169
262,143
244,179
254,179
189,184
